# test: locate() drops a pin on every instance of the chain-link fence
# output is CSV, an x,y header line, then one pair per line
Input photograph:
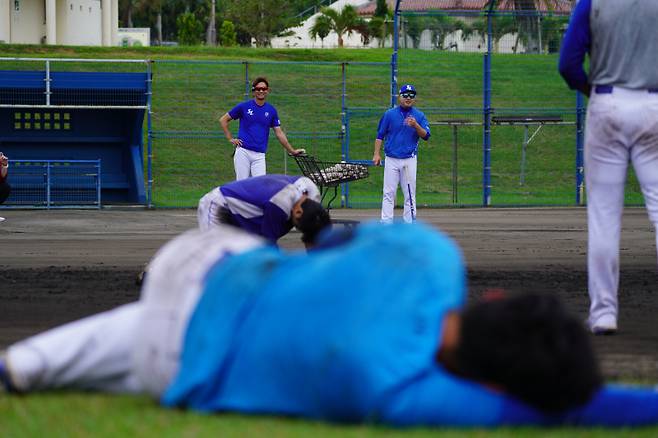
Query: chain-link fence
x,y
190,152
506,129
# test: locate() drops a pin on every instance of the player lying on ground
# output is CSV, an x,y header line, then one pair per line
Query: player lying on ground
x,y
268,206
369,327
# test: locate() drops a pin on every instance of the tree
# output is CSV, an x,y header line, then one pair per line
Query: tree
x,y
377,28
381,10
344,22
127,7
227,35
189,29
321,28
413,28
211,30
259,19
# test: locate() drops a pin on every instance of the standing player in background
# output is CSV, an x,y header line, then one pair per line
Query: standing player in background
x,y
622,125
256,118
5,188
400,128
268,205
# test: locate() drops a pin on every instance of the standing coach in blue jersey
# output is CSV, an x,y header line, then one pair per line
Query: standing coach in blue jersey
x,y
256,118
622,126
399,129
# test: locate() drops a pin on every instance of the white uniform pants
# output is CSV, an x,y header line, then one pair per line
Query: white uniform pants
x,y
248,163
621,126
135,347
208,210
402,172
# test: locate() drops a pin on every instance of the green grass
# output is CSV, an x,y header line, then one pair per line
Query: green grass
x,y
194,86
74,415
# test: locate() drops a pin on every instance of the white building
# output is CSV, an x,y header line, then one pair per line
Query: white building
x,y
63,22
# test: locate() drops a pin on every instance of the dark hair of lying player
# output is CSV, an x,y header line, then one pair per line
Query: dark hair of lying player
x,y
527,345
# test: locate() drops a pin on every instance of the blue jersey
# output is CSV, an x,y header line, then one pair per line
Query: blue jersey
x,y
401,141
263,339
255,124
262,204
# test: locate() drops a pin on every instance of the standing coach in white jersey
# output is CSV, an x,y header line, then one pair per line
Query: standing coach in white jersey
x,y
256,118
620,37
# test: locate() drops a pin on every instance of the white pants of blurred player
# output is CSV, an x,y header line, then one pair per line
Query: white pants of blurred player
x,y
207,212
399,172
136,347
622,126
248,163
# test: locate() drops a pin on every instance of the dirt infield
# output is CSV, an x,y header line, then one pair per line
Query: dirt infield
x,y
56,266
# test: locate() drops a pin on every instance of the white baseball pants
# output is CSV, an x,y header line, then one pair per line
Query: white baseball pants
x,y
621,126
136,347
399,172
248,163
207,212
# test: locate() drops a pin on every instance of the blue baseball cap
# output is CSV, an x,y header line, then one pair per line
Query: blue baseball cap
x,y
407,88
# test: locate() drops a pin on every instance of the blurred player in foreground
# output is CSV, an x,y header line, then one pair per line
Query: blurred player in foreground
x,y
399,129
256,118
368,327
269,206
622,126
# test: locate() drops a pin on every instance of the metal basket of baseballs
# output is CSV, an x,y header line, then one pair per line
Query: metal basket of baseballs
x,y
330,174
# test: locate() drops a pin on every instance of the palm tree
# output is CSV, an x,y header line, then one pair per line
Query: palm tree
x,y
345,21
321,28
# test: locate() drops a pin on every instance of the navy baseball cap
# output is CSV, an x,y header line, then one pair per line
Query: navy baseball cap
x,y
407,88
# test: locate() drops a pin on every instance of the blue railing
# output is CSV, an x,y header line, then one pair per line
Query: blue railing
x,y
54,183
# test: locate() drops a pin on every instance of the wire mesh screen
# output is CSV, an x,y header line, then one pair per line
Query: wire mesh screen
x,y
53,82
532,141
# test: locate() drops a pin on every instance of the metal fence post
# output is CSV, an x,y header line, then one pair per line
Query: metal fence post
x,y
98,183
247,88
394,56
580,133
48,185
486,113
344,188
48,92
149,135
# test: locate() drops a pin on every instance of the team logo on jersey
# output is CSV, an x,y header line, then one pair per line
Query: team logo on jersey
x,y
267,114
250,112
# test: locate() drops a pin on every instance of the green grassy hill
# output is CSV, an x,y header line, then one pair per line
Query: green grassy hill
x,y
194,86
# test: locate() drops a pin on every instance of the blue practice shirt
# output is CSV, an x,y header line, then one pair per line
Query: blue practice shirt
x,y
255,124
401,141
349,334
262,204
